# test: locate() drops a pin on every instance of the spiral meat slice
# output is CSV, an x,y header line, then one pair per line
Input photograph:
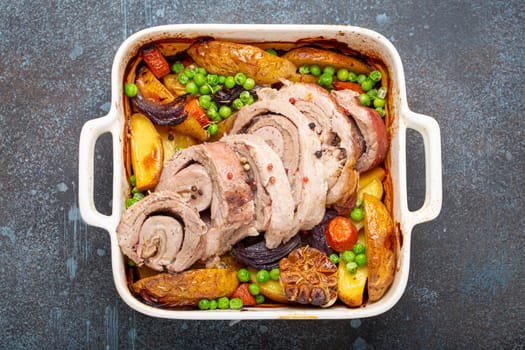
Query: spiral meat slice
x,y
274,204
214,178
339,146
162,231
370,125
285,129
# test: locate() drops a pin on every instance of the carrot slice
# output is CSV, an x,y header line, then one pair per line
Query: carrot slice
x,y
156,61
195,110
243,292
347,85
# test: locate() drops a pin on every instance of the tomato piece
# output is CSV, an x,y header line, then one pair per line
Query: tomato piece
x,y
341,234
243,292
195,110
347,85
156,61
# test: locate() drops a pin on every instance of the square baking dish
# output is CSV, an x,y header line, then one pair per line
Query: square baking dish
x,y
364,41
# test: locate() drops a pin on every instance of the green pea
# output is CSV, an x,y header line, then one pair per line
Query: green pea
x,y
131,90
223,303
259,299
130,202
372,93
360,259
275,273
213,304
212,79
202,71
133,180
325,80
225,111
192,88
254,289
359,248
272,52
361,78
342,74
205,101
213,129
183,79
215,89
379,102
189,72
243,274
262,276
237,104
357,214
304,69
236,304
199,79
364,99
367,84
251,100
248,84
381,111
381,92
315,70
177,67
205,90
351,268
240,78
329,70
334,258
229,82
352,77
348,256
221,80
245,96
138,196
213,114
214,106
204,304
135,190
375,75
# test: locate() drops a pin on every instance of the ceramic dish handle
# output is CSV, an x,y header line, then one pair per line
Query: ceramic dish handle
x,y
429,130
91,131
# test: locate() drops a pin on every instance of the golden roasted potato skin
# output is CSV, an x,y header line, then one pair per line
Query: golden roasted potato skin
x,y
350,288
380,246
227,58
312,55
147,152
186,288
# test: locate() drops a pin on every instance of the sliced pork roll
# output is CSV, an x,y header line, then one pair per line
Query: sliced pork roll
x,y
285,129
340,147
211,177
371,127
274,203
162,232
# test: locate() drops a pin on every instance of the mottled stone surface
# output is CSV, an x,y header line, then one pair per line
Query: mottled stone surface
x,y
465,66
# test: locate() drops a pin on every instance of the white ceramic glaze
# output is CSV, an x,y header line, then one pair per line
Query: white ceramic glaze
x,y
360,39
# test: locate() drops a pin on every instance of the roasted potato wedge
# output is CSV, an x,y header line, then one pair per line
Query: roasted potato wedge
x,y
228,58
351,287
147,152
191,127
152,88
380,246
323,58
172,141
374,173
271,289
186,288
373,188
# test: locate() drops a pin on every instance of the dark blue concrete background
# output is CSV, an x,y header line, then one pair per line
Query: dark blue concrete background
x,y
465,66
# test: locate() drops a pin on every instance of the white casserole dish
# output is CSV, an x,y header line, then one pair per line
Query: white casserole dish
x,y
365,41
